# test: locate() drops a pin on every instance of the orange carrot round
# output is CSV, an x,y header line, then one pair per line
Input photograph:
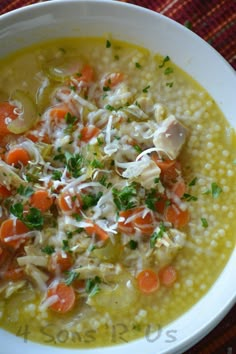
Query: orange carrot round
x,y
41,200
60,261
96,230
4,192
148,281
179,218
59,112
17,156
87,74
88,132
6,111
14,274
65,295
168,275
69,203
143,223
12,227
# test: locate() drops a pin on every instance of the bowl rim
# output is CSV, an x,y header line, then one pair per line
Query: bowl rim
x,y
217,313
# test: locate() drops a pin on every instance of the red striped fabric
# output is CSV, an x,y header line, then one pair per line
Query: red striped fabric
x,y
215,22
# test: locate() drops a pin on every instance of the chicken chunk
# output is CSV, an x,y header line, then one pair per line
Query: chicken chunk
x,y
170,137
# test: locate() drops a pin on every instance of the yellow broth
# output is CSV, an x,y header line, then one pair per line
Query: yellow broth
x,y
208,157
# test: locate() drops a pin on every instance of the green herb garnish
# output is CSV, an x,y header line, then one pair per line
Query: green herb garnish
x,y
145,90
157,235
138,66
133,244
193,182
92,286
90,200
215,190
56,175
33,219
25,191
189,197
204,222
108,44
71,277
124,199
167,58
48,249
168,71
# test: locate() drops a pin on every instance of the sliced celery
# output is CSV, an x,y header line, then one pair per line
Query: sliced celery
x,y
28,117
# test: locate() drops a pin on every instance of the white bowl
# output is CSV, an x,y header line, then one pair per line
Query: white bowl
x,y
137,25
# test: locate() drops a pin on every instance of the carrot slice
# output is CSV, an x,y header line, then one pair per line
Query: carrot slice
x,y
168,275
179,218
123,225
179,188
65,295
143,223
87,74
69,203
170,169
41,200
14,274
6,111
4,192
17,156
88,132
148,281
96,230
59,112
12,227
60,261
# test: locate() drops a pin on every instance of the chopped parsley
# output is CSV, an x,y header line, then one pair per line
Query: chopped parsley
x,y
204,222
170,84
90,200
168,71
71,277
48,249
56,175
92,286
193,182
215,190
74,164
25,191
167,58
125,198
189,197
66,246
137,148
133,244
70,119
33,219
106,88
108,44
157,235
145,90
138,66
96,164
151,199
110,108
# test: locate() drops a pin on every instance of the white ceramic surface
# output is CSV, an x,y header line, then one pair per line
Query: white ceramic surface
x,y
140,26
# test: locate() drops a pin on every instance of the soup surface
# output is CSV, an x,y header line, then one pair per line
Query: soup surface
x,y
117,193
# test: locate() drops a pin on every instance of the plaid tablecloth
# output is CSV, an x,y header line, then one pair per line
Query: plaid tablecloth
x,y
214,21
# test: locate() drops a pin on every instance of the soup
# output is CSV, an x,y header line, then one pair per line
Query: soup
x,y
117,192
